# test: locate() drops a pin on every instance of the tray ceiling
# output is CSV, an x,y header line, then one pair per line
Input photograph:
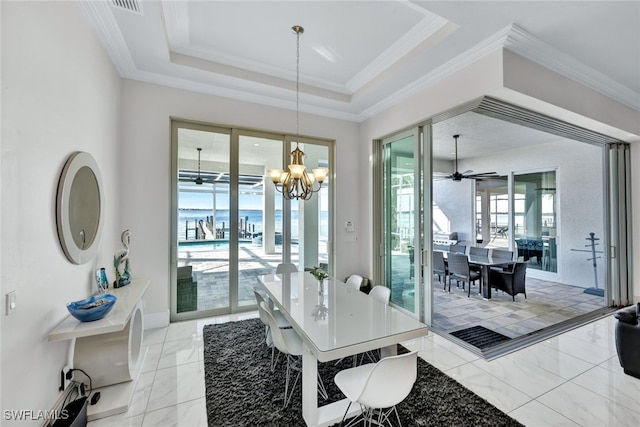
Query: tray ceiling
x,y
359,57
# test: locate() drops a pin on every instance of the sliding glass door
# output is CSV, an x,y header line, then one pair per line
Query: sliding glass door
x,y
401,221
230,224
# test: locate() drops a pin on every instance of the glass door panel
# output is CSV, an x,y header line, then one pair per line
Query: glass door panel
x,y
535,219
492,213
400,199
202,282
260,214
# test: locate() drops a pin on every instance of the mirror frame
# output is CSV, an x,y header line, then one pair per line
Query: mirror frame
x,y
73,165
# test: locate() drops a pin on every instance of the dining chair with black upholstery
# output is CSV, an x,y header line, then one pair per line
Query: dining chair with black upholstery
x,y
510,280
480,252
460,271
459,249
502,254
440,267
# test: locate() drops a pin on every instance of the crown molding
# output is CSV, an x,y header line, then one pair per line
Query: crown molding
x,y
421,32
534,49
267,99
101,18
490,44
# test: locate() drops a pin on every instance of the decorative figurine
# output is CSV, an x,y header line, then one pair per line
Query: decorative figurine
x,y
121,262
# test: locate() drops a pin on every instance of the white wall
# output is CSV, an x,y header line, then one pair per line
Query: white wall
x,y
145,171
455,200
60,94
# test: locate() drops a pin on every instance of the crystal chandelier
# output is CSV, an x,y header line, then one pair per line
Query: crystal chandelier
x,y
296,183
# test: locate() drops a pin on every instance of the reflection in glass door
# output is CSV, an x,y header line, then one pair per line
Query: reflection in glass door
x,y
400,220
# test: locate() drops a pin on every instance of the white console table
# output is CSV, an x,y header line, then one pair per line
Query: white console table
x,y
110,349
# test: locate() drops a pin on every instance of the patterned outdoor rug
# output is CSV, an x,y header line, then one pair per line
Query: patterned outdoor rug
x,y
242,391
479,336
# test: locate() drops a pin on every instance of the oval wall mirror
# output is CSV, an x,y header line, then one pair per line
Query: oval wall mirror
x,y
79,203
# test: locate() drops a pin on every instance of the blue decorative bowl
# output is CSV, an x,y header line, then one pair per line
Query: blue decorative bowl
x,y
93,308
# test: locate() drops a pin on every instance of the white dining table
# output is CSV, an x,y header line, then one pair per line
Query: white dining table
x,y
335,321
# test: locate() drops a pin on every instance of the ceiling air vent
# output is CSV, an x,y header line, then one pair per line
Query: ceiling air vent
x,y
130,5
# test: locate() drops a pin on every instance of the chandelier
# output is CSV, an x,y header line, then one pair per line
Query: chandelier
x,y
296,183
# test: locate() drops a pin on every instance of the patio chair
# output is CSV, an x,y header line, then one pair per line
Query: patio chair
x,y
440,267
510,280
460,271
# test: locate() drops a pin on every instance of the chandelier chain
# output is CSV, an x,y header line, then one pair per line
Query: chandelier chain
x,y
297,86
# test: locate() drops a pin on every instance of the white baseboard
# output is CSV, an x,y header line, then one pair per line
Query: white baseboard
x,y
156,320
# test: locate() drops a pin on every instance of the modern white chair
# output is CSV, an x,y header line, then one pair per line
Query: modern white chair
x,y
280,320
381,293
355,281
289,343
378,386
286,267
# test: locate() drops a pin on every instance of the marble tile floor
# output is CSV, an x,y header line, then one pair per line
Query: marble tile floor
x,y
547,303
573,379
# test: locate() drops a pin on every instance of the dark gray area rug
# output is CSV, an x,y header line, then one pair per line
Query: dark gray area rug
x,y
481,337
242,391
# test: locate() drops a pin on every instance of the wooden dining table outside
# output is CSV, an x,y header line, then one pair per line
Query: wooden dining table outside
x,y
334,322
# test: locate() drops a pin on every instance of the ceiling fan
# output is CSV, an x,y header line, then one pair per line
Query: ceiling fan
x,y
199,179
188,175
457,176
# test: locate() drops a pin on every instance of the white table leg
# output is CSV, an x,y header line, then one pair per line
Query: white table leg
x,y
309,387
392,350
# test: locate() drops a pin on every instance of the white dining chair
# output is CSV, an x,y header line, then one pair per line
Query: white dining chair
x,y
289,343
286,267
381,293
355,281
280,320
379,387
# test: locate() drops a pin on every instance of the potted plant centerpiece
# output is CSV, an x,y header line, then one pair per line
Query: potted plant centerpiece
x,y
320,276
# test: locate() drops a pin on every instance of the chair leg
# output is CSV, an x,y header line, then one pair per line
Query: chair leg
x,y
321,389
287,399
397,415
274,362
345,413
